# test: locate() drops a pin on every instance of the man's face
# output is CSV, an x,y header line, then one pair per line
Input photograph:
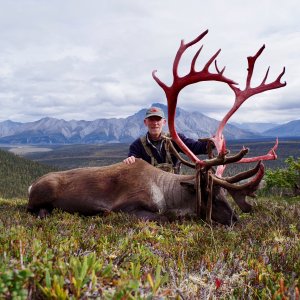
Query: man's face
x,y
155,125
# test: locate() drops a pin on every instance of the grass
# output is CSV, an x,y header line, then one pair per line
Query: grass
x,y
119,257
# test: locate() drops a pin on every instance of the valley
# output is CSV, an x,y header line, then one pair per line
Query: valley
x,y
74,156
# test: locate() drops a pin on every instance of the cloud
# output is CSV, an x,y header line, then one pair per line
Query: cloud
x,y
87,60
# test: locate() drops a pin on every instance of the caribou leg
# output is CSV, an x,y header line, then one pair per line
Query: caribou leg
x,y
41,212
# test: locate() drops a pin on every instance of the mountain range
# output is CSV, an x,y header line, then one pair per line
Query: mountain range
x,y
115,130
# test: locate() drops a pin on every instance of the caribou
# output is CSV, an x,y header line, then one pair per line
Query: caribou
x,y
153,194
139,189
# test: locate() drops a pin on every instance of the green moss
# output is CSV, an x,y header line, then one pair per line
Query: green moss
x,y
67,256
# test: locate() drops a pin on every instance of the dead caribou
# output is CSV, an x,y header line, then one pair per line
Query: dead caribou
x,y
153,194
139,189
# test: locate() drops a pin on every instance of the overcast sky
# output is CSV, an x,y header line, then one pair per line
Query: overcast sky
x,y
93,59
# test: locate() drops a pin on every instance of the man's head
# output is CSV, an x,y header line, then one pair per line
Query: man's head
x,y
154,120
155,112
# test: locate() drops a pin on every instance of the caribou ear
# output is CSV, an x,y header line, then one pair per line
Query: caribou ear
x,y
188,184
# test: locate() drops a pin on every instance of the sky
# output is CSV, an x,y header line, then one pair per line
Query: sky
x,y
90,59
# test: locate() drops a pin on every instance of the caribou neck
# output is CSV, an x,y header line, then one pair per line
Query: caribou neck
x,y
177,199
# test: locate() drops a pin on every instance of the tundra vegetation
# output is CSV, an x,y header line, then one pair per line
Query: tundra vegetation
x,y
119,257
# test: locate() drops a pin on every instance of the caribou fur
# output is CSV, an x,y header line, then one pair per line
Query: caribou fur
x,y
138,189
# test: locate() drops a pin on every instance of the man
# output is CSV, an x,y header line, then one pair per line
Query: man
x,y
151,147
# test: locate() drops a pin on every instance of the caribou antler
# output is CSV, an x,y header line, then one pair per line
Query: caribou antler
x,y
194,76
240,97
239,192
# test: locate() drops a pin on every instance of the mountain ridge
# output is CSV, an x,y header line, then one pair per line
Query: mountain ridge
x,y
119,130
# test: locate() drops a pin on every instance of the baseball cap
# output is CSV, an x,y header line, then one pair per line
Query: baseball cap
x,y
154,111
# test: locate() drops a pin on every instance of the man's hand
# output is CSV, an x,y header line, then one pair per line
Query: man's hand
x,y
129,160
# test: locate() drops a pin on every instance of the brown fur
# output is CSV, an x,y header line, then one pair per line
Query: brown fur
x,y
139,189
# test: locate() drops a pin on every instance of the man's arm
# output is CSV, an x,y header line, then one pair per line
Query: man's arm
x,y
196,147
129,160
134,152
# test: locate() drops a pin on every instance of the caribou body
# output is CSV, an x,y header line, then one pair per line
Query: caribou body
x,y
139,189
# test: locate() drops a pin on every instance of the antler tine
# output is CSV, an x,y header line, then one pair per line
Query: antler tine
x,y
266,76
177,155
207,65
251,63
224,160
216,66
243,175
231,186
271,155
195,59
160,83
182,49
